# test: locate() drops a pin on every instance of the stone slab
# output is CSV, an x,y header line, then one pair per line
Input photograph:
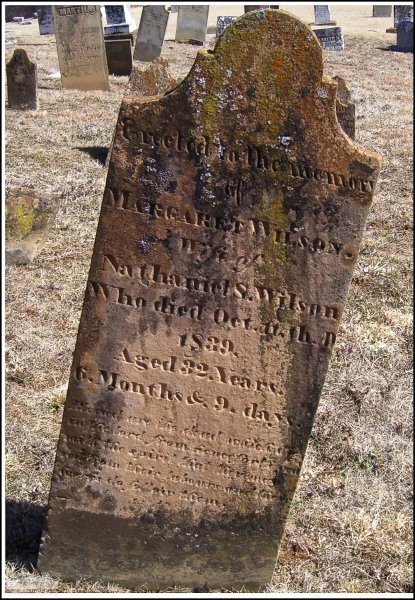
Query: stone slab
x,y
45,20
29,218
119,57
21,76
120,36
402,12
231,222
330,38
80,46
222,23
151,33
192,23
405,38
382,10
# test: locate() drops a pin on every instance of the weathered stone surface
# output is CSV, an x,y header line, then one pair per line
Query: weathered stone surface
x,y
45,20
29,218
153,80
322,15
118,19
345,109
119,57
151,33
21,81
252,7
402,12
222,23
231,222
382,10
330,38
405,38
81,49
192,23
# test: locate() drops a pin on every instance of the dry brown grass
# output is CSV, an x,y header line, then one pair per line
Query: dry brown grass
x,y
350,526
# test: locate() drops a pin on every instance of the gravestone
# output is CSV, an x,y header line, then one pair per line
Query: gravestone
x,y
81,49
402,12
345,109
21,81
119,57
405,37
382,10
192,23
330,38
152,80
119,19
29,219
151,33
225,247
222,23
322,15
45,20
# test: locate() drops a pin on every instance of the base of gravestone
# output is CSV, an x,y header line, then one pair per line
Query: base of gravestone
x,y
157,552
326,23
391,30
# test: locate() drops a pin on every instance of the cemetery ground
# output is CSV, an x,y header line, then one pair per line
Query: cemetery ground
x,y
350,527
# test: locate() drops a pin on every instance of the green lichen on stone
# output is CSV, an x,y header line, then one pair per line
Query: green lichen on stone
x,y
21,221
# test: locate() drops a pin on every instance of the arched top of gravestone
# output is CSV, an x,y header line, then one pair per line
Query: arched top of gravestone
x,y
20,58
268,42
265,77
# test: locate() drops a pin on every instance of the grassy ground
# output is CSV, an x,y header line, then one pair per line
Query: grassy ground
x,y
350,526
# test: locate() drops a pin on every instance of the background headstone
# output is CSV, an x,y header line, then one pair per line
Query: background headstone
x,y
322,15
382,10
330,38
153,80
345,109
151,33
402,12
21,81
118,19
405,37
229,230
29,218
192,23
222,23
45,20
80,45
119,57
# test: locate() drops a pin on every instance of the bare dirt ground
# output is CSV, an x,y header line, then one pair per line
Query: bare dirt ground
x,y
350,526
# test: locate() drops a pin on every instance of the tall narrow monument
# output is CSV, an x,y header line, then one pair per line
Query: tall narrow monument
x,y
231,222
81,48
